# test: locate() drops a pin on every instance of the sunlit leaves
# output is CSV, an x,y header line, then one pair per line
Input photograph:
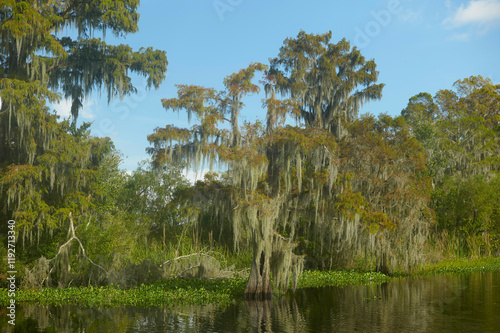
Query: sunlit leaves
x,y
331,81
120,16
193,99
60,181
304,139
241,82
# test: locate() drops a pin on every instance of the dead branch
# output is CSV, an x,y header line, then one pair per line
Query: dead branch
x,y
184,271
71,232
187,256
73,236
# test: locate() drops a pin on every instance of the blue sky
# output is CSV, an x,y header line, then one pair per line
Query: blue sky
x,y
419,46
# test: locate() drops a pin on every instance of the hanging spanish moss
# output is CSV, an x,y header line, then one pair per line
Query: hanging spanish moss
x,y
44,164
322,180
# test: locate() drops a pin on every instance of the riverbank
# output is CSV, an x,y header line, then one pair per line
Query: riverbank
x,y
222,291
456,267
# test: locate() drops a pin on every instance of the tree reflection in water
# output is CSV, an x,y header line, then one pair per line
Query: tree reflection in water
x,y
462,303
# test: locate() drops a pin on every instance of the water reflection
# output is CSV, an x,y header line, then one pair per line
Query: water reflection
x,y
461,303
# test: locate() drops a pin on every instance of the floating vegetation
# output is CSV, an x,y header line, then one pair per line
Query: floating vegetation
x,y
180,291
316,279
159,293
223,291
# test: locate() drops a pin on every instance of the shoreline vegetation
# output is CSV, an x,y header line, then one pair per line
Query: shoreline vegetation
x,y
224,291
306,181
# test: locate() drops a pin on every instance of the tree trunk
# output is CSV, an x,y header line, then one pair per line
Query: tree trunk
x,y
259,283
382,265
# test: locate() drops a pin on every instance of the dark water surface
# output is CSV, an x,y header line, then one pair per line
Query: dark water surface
x,y
446,303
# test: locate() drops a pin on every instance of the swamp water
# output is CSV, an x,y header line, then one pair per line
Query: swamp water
x,y
445,303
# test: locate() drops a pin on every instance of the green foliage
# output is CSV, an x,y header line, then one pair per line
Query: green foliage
x,y
147,200
381,196
51,168
317,279
181,291
160,293
283,181
48,167
33,47
223,291
460,266
460,132
61,180
466,204
470,209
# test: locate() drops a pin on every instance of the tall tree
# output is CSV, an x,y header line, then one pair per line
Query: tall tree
x,y
242,198
47,47
276,172
330,81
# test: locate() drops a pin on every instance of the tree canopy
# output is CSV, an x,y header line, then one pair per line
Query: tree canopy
x,y
48,51
460,131
283,182
330,81
311,184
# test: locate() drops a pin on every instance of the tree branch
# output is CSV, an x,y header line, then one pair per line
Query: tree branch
x,y
71,231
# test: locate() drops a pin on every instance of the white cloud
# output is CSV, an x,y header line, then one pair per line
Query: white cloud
x,y
63,109
193,176
484,13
